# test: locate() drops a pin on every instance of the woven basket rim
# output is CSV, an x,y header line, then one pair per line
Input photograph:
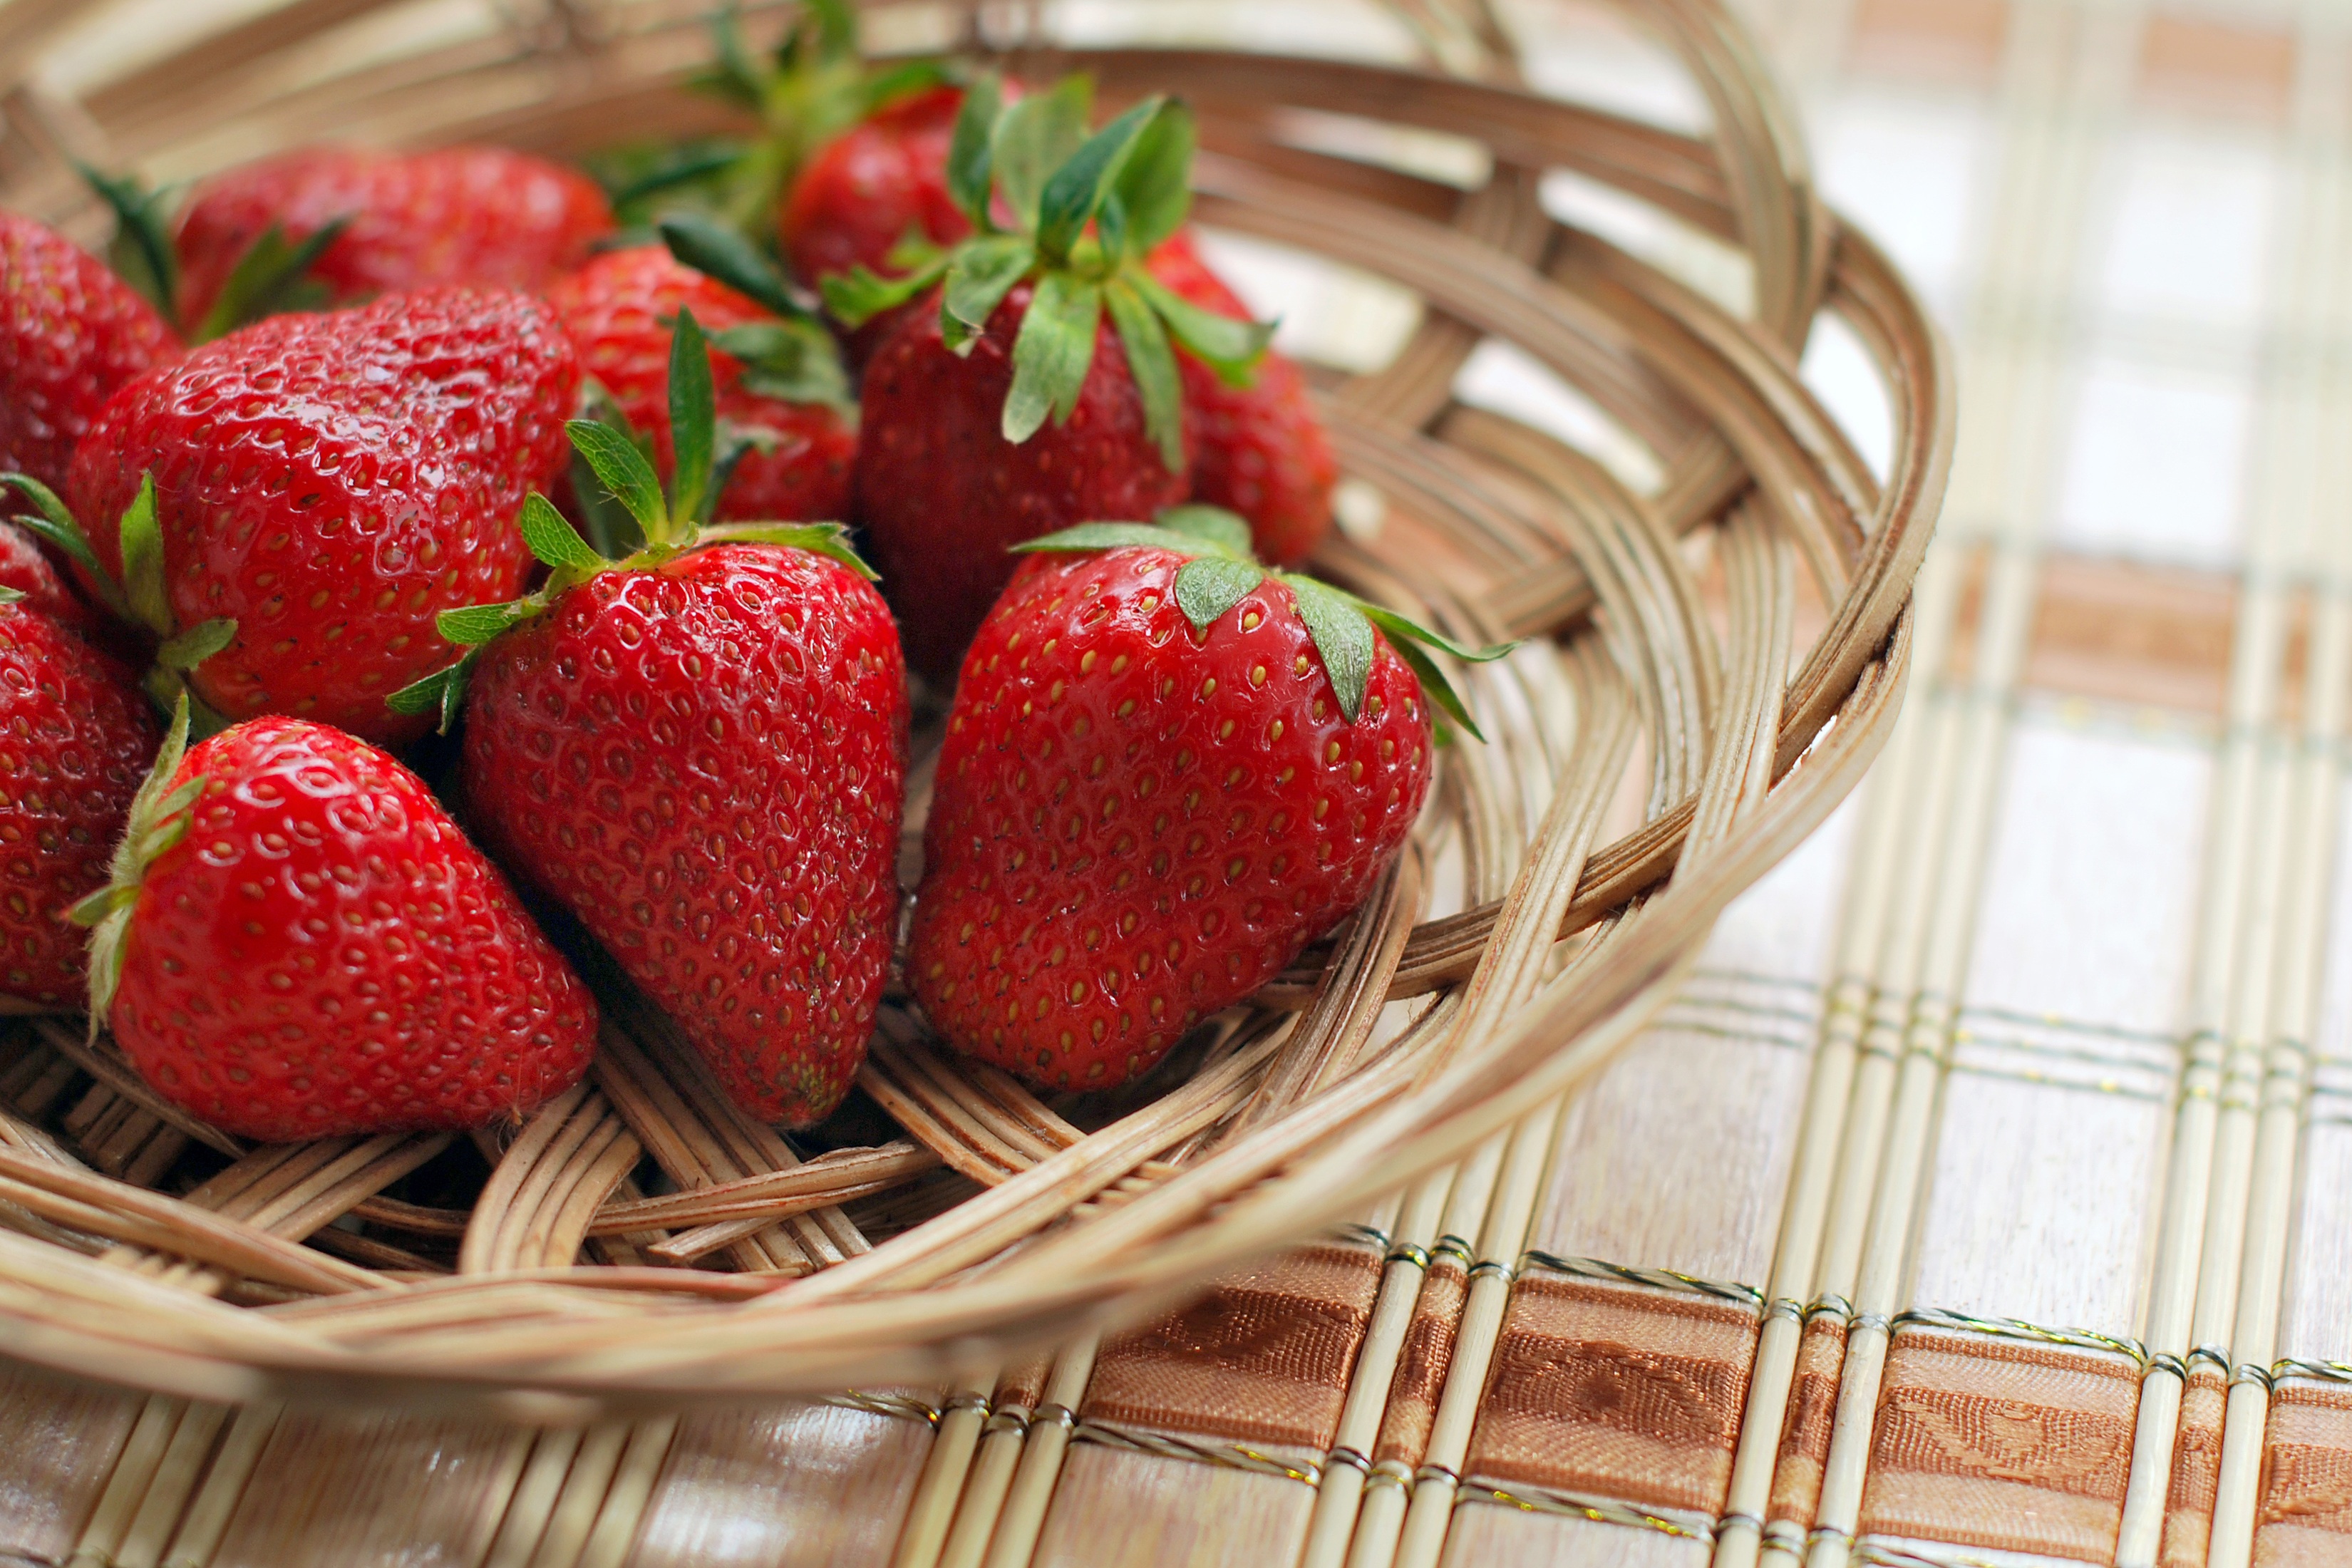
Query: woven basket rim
x,y
1305,1123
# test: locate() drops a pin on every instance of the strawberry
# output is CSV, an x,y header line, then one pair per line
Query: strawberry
x,y
700,752
944,495
300,943
999,414
71,332
869,188
407,221
1262,450
1166,771
328,483
805,98
75,740
26,571
789,398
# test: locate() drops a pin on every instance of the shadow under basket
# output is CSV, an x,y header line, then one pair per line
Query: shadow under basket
x,y
1713,657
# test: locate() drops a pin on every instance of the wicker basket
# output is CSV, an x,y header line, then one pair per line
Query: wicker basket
x,y
1510,952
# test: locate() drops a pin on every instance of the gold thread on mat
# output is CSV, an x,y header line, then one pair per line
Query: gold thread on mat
x,y
1594,1510
2014,1329
1656,1279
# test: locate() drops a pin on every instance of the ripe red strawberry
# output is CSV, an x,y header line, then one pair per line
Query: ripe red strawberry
x,y
1165,773
871,187
701,752
25,569
943,495
617,309
1041,390
330,482
454,214
300,943
71,332
76,737
705,762
1262,450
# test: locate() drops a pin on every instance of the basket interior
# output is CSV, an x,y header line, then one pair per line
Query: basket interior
x,y
1556,354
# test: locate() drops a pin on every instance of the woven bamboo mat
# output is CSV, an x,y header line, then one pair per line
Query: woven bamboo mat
x,y
1982,1199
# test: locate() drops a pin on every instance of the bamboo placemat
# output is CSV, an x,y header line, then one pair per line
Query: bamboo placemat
x,y
1984,1194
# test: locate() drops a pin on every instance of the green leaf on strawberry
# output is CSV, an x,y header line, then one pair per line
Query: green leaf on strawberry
x,y
138,596
1153,364
796,361
1034,138
140,251
272,276
1051,356
793,357
723,253
1086,211
52,520
810,88
978,278
159,819
1222,573
971,150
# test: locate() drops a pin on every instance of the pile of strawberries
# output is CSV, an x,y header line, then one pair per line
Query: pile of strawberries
x,y
358,447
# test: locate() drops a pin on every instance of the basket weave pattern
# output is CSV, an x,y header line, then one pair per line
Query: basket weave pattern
x,y
1513,948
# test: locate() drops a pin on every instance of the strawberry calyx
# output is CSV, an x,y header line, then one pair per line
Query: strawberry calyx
x,y
814,87
1084,211
793,358
272,276
158,819
669,523
138,596
1221,570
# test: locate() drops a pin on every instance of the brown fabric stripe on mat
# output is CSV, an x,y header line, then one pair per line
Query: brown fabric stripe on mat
x,y
1615,1392
2196,1469
1262,1357
1812,1413
1422,1364
2305,1517
1983,1441
1022,1385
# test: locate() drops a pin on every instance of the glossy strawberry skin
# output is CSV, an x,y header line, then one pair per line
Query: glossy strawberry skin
x,y
1263,450
75,738
617,309
1134,827
866,189
706,762
485,215
71,332
325,954
944,495
26,567
333,482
